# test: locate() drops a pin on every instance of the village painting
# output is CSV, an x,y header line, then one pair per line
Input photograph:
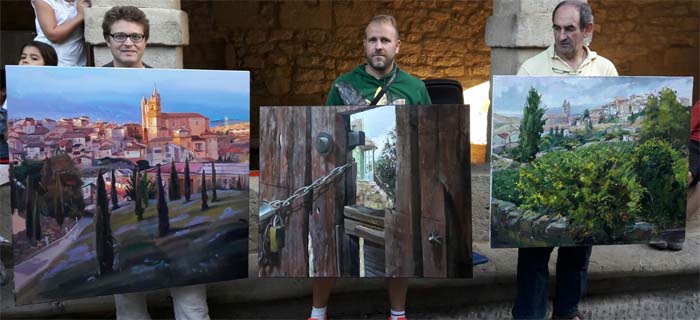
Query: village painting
x,y
126,180
589,160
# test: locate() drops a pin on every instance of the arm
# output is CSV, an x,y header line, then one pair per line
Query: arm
x,y
47,21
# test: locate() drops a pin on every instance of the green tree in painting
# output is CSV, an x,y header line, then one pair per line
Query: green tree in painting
x,y
174,183
138,196
113,192
104,243
386,164
531,126
163,218
654,161
145,186
188,186
33,221
213,183
205,205
666,119
58,201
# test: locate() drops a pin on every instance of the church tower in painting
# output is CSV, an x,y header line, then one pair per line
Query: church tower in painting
x,y
151,115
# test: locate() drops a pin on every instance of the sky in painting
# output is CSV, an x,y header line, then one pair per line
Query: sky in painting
x,y
114,94
510,92
377,122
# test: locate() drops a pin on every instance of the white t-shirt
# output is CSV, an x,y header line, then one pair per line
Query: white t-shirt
x,y
72,51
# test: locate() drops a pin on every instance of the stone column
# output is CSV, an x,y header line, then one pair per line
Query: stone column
x,y
169,31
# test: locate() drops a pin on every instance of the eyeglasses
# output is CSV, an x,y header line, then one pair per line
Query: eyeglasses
x,y
121,37
569,72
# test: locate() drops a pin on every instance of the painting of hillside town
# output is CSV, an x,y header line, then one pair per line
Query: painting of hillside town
x,y
126,180
589,160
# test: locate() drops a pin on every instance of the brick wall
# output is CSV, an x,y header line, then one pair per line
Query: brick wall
x,y
645,38
295,49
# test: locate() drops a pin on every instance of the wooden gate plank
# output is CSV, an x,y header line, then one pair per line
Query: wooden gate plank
x,y
399,223
432,198
285,167
328,202
455,175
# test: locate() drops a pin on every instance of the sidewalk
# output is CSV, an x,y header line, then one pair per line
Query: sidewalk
x,y
614,273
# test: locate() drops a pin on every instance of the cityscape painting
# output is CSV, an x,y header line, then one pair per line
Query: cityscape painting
x,y
589,160
126,180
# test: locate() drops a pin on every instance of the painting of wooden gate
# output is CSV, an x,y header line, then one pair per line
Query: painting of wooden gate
x,y
313,220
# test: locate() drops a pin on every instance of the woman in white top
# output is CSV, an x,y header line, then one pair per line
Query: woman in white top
x,y
60,24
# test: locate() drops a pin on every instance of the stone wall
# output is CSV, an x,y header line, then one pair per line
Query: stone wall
x,y
295,49
645,38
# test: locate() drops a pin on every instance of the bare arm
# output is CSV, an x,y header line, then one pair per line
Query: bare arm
x,y
47,21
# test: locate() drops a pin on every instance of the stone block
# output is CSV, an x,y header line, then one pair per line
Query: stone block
x,y
305,15
163,4
534,30
155,56
167,26
510,7
506,61
240,14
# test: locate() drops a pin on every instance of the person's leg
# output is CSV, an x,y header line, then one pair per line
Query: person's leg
x,y
532,278
190,303
572,274
131,306
397,288
322,288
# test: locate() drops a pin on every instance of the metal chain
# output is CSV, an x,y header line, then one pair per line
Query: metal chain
x,y
283,205
318,183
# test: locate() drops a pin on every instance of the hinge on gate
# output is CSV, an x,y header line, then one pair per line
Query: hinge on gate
x,y
355,138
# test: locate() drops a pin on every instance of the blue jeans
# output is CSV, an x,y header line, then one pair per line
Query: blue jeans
x,y
533,275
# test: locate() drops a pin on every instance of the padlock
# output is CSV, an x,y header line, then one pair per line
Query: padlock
x,y
276,235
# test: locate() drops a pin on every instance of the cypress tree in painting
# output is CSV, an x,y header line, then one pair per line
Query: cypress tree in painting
x,y
175,185
113,193
163,218
36,216
144,189
58,199
213,183
29,208
103,230
138,195
188,187
13,190
205,206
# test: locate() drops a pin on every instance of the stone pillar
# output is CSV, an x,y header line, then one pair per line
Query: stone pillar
x,y
169,31
518,30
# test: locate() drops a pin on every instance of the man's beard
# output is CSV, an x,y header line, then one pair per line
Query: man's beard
x,y
381,66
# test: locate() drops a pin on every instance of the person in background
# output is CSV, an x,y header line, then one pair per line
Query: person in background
x,y
59,23
33,53
126,30
377,82
37,53
572,27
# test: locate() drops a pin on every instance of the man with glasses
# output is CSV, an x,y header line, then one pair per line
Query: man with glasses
x,y
125,29
572,24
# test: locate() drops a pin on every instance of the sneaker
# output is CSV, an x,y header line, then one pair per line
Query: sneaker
x,y
675,245
318,319
400,318
661,245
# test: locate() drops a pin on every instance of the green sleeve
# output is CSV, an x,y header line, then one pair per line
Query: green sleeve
x,y
333,97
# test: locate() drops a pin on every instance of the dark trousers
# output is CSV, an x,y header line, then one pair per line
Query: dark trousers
x,y
533,275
